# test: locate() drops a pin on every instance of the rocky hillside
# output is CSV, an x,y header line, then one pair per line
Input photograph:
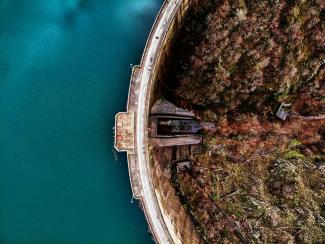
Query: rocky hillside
x,y
260,179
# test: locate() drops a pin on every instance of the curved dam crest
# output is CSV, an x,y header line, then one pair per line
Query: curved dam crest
x,y
166,217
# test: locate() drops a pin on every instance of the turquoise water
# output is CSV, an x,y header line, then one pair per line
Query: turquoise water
x,y
64,73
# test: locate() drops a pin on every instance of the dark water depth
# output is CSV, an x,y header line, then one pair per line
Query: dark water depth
x,y
64,73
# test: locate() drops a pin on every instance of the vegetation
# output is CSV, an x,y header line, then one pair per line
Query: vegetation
x,y
234,62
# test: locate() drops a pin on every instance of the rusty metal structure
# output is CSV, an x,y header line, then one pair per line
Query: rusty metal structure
x,y
172,126
165,214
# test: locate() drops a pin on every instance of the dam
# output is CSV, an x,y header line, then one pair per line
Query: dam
x,y
164,212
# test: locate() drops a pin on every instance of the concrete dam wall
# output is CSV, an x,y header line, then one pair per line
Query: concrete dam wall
x,y
164,212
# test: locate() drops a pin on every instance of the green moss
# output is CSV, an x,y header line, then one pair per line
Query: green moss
x,y
214,184
294,143
238,137
281,95
236,210
232,70
288,218
225,232
293,154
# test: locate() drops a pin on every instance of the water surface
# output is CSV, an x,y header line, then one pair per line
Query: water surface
x,y
64,73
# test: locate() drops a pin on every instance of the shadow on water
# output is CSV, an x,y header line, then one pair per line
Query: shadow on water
x,y
79,7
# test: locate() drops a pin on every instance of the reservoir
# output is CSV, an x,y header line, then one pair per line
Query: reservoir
x,y
64,74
